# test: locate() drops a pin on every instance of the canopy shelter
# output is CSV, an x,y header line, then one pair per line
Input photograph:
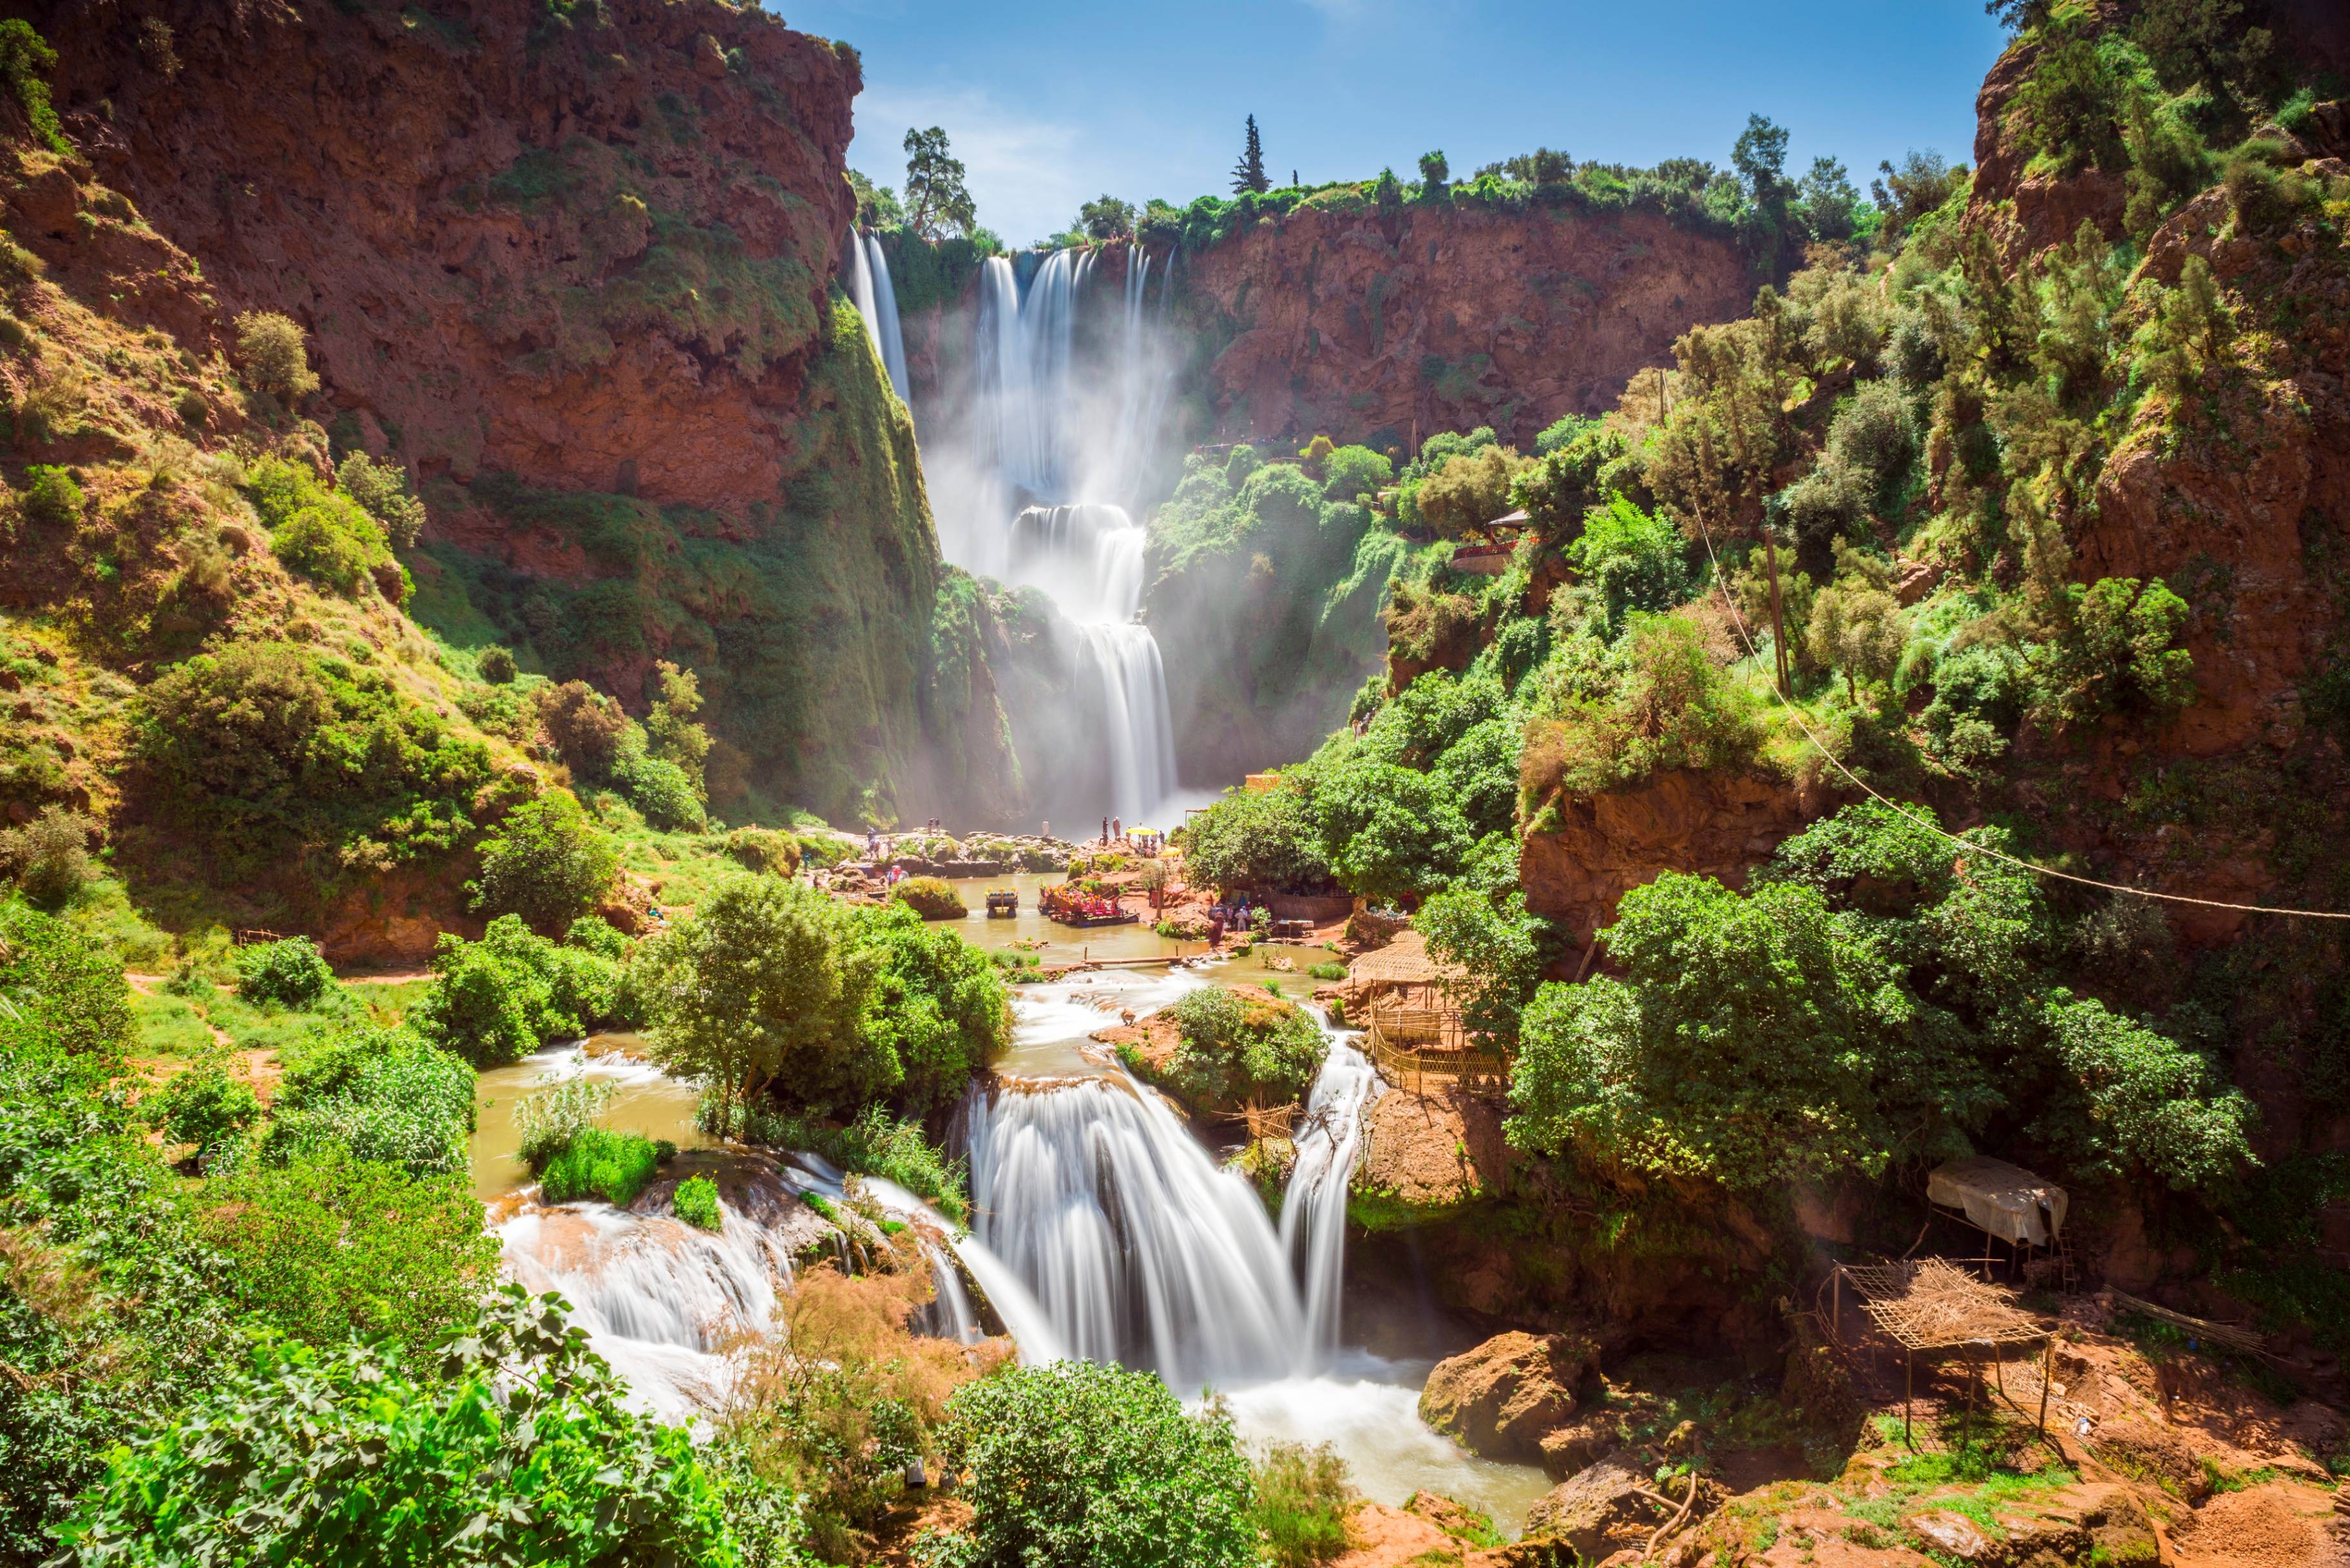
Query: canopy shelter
x,y
2006,1203
1405,1001
1930,1307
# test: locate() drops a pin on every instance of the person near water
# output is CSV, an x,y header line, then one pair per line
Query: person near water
x,y
1216,929
1105,830
1116,829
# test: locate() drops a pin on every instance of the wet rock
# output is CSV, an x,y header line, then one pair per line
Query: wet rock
x,y
1500,1398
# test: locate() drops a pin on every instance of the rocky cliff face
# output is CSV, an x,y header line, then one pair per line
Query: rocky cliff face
x,y
1372,327
572,265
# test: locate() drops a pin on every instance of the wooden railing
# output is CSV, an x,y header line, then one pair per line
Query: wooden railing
x,y
1413,1067
1264,1121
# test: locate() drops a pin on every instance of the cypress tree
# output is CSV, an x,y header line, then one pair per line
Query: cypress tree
x,y
1249,174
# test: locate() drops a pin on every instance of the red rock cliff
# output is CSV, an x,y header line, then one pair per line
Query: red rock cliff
x,y
1447,318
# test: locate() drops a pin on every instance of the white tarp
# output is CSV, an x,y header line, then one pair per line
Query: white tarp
x,y
2005,1200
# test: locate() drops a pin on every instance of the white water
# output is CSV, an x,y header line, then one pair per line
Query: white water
x,y
877,301
1314,1211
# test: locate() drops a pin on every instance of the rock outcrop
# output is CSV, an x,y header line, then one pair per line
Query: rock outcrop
x,y
1502,1397
1594,850
1372,327
572,266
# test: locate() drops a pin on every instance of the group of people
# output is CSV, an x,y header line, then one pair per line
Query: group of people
x,y
1059,904
1142,839
1238,916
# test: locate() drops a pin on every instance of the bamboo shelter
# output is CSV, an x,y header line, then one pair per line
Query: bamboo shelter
x,y
1928,1307
1406,1005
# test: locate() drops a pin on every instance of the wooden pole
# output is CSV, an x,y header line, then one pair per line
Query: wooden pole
x,y
1778,630
2047,1371
1909,1383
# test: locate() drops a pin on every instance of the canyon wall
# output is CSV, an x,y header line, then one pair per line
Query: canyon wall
x,y
573,265
1378,326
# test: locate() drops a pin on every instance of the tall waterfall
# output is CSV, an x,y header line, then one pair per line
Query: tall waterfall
x,y
877,301
1058,440
1138,1248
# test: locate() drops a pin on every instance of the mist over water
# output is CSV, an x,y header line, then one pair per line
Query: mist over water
x,y
1037,446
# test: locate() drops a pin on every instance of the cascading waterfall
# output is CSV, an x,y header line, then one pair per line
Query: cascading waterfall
x,y
876,300
1138,1248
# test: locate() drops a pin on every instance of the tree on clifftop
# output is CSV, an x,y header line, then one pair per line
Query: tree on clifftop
x,y
1249,173
938,203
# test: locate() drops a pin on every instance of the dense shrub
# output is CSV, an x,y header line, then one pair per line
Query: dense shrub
x,y
383,1095
521,1450
695,1201
288,973
875,1144
1501,946
937,1013
764,849
584,726
1655,701
1235,1050
51,496
382,489
26,59
264,748
545,862
49,856
1468,491
932,897
1258,841
205,1105
1077,1465
501,998
496,665
657,787
1389,833
1636,559
319,531
1355,474
327,1246
65,994
597,1162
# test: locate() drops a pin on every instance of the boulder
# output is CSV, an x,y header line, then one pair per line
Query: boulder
x,y
1500,1398
1600,1510
1573,1447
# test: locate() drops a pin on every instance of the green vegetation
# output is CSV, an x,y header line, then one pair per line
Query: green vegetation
x,y
1235,1050
931,897
1075,1464
26,57
287,974
501,998
597,1162
695,1201
1302,1503
546,862
517,1448
771,990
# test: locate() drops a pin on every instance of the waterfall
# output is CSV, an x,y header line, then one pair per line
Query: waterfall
x,y
883,319
1314,1211
860,289
1137,1247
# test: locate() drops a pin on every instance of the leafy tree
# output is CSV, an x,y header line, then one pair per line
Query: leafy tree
x,y
1389,833
1248,174
1077,1465
937,1012
206,1106
1106,218
1636,560
270,348
878,206
500,999
1830,202
2115,652
2126,1101
382,488
26,59
1355,474
1752,1041
754,989
1434,170
937,202
1235,1050
65,994
327,1246
1260,841
1468,491
1501,945
321,533
1760,157
1921,183
1856,625
546,863
584,726
521,1449
496,665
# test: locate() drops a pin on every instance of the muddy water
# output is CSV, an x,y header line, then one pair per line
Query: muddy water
x,y
644,1101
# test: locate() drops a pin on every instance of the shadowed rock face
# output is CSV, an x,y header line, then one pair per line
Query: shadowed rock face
x,y
1449,318
1501,1398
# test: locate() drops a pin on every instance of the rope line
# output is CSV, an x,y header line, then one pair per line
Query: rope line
x,y
1746,636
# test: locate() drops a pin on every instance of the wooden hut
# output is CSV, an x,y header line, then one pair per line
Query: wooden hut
x,y
1407,1005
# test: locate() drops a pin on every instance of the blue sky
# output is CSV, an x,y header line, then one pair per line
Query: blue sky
x,y
1052,103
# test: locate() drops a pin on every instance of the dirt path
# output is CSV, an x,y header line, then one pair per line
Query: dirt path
x,y
2278,1524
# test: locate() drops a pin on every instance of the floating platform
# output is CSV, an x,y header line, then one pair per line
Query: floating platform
x,y
1003,906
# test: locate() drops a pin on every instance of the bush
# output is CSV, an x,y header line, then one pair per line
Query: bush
x,y
546,863
584,726
327,1246
288,973
1636,559
382,1094
599,1163
1302,1502
521,1450
764,849
1390,834
1468,491
695,1201
382,488
1236,1051
270,348
1258,841
932,897
657,787
875,1144
49,856
207,1106
1355,474
938,1012
499,999
496,665
24,59
1077,1465
547,1122
51,496
1660,703
65,994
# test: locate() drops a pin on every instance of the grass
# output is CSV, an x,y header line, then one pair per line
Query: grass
x,y
167,1026
872,1145
1302,1500
600,1163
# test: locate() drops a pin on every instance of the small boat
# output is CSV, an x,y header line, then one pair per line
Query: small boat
x,y
1077,909
1002,904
